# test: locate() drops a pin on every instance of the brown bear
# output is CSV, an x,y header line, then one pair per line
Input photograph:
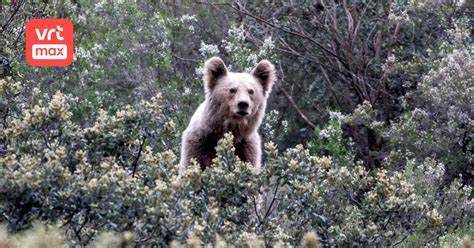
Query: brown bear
x,y
234,102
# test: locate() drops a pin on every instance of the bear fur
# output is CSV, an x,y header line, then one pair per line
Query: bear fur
x,y
234,102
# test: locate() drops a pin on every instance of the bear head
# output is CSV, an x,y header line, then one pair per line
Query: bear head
x,y
240,95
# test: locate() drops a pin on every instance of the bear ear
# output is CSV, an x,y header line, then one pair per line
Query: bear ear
x,y
265,73
214,69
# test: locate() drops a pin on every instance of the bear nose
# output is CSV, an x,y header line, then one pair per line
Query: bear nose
x,y
243,105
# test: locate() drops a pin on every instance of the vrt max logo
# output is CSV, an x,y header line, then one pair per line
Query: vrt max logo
x,y
49,42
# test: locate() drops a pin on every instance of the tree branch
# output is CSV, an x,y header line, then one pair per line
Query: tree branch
x,y
135,163
292,102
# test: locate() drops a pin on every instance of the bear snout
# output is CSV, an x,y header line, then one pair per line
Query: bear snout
x,y
243,107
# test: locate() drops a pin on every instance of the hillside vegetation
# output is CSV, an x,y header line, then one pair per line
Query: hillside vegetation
x,y
368,135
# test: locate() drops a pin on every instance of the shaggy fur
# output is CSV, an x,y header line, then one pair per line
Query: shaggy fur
x,y
221,112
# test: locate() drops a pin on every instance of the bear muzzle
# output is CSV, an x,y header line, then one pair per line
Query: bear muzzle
x,y
243,108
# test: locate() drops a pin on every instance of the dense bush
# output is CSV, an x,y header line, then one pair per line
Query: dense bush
x,y
379,94
110,177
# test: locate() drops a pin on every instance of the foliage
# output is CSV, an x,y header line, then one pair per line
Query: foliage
x,y
88,152
111,177
339,54
440,123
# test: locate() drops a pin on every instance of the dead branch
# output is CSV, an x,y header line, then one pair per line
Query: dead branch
x,y
292,102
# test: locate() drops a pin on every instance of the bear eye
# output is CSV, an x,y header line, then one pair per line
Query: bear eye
x,y
233,90
251,92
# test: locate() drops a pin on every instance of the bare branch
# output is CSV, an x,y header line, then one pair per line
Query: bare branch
x,y
292,102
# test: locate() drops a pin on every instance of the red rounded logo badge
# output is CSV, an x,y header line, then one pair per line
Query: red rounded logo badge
x,y
49,42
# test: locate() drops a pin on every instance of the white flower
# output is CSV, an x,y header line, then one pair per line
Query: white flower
x,y
252,59
268,43
186,91
99,6
188,18
336,115
459,3
391,58
324,133
237,32
208,50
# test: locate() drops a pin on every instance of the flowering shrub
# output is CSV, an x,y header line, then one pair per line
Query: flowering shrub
x,y
88,152
439,123
119,175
